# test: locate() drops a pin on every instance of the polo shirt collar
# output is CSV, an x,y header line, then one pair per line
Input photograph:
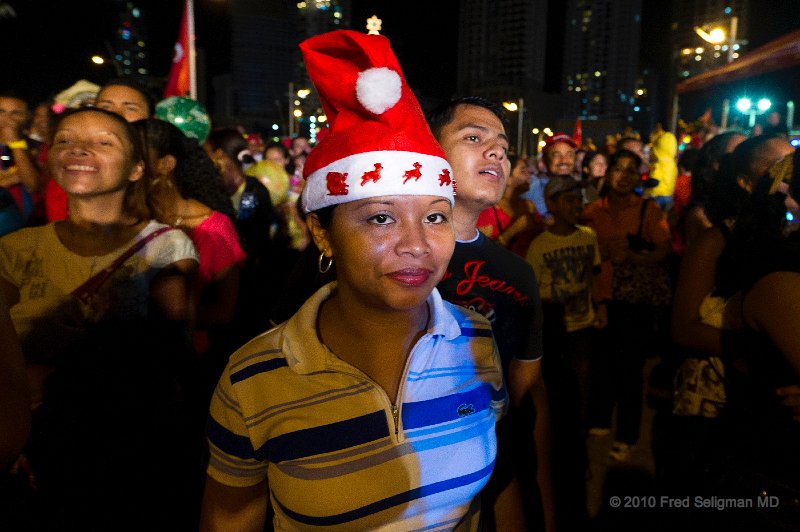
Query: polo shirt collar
x,y
304,351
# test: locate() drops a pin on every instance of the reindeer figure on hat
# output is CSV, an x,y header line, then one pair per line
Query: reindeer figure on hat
x,y
414,174
372,175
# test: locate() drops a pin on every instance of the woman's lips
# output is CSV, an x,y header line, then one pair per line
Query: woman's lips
x,y
411,276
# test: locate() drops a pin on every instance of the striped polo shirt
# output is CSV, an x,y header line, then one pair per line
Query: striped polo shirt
x,y
337,453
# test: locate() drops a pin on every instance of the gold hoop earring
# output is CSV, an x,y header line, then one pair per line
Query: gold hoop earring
x,y
319,263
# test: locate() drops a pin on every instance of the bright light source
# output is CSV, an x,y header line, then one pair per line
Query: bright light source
x,y
322,118
510,106
597,73
274,127
764,104
97,60
302,93
535,131
542,144
717,35
698,50
686,51
744,104
297,113
548,131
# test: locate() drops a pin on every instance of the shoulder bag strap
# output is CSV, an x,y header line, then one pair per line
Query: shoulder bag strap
x,y
641,217
97,280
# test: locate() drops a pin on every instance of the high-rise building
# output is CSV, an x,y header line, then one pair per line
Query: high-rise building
x,y
502,55
261,56
601,59
130,43
312,17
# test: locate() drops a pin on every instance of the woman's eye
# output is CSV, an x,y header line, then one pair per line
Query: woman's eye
x,y
472,138
436,218
380,219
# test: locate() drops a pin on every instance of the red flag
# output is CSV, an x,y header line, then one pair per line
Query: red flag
x,y
577,133
178,82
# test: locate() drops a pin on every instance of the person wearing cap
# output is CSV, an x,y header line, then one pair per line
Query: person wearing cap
x,y
499,284
566,259
375,405
558,156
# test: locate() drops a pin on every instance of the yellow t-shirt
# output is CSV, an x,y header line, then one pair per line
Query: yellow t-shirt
x,y
564,267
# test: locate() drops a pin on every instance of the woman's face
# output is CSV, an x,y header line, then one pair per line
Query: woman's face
x,y
390,251
597,166
623,176
92,156
276,155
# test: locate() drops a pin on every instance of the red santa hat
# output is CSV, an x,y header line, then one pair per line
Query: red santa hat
x,y
378,143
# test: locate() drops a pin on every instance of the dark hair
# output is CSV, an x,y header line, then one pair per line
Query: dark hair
x,y
623,140
623,153
195,175
13,95
135,202
688,159
439,117
232,144
726,198
134,85
757,244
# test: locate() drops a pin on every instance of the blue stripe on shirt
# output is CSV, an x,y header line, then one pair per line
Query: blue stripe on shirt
x,y
389,502
259,367
444,409
326,438
227,441
476,333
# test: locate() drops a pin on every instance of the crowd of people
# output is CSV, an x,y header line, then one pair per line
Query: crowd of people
x,y
376,348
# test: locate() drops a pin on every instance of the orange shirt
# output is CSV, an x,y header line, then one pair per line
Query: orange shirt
x,y
612,223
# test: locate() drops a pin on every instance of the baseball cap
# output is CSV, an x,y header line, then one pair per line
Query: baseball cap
x,y
559,184
559,137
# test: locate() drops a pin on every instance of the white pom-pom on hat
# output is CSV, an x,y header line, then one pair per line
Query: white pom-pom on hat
x,y
378,89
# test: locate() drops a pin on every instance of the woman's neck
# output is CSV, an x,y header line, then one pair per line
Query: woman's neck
x,y
99,211
366,322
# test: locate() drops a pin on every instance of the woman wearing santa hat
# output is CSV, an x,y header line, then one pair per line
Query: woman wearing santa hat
x,y
374,405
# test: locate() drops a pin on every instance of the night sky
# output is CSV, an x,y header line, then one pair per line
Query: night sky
x,y
48,46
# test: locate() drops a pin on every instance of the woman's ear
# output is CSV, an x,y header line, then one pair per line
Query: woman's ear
x,y
137,172
319,234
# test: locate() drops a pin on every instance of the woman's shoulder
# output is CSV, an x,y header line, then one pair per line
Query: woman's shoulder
x,y
30,237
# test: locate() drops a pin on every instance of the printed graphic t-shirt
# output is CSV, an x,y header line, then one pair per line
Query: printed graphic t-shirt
x,y
486,278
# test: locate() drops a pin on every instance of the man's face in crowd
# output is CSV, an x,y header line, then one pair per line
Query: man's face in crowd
x,y
127,102
476,145
560,159
13,113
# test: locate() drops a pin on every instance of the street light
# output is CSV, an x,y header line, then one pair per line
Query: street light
x,y
745,105
520,108
717,35
98,60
